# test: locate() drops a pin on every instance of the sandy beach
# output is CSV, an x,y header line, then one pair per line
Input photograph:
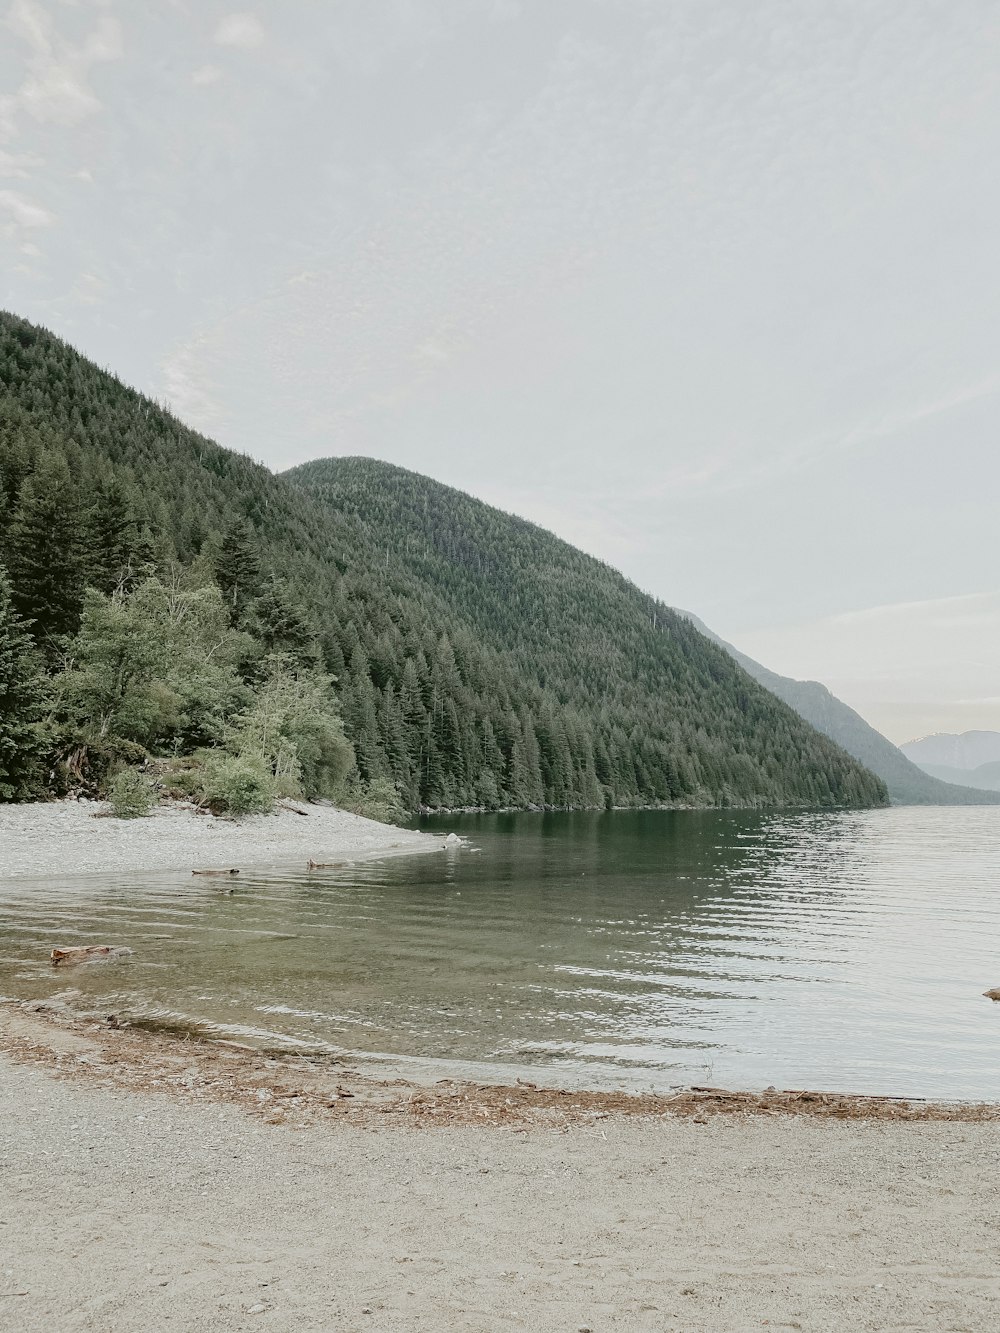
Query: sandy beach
x,y
47,838
151,1183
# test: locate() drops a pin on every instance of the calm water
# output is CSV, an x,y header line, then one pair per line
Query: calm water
x,y
642,950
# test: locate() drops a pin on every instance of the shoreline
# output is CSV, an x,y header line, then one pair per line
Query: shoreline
x,y
318,1087
151,1182
125,1210
47,839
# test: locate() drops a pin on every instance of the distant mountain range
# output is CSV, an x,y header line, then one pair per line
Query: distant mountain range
x,y
909,783
972,757
967,750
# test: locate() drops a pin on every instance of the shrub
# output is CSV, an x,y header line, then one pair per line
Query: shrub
x,y
238,784
378,799
131,794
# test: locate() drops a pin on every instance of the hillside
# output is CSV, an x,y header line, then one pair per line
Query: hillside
x,y
632,672
479,659
908,784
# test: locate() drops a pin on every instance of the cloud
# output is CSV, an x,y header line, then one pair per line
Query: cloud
x,y
88,289
15,165
24,213
431,350
55,89
206,75
242,30
187,387
57,94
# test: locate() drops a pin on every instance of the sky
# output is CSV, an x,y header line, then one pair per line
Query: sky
x,y
710,288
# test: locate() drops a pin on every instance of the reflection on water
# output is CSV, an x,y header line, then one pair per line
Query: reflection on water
x,y
643,950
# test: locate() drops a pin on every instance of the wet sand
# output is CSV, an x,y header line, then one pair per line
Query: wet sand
x,y
149,1182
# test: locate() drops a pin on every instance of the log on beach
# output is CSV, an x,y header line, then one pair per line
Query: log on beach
x,y
87,953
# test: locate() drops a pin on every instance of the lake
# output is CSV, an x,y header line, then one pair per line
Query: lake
x,y
644,950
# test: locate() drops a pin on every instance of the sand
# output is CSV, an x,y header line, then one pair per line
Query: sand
x,y
137,1194
46,838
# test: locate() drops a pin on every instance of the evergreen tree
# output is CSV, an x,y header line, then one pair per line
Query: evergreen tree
x,y
238,569
45,552
24,697
116,553
279,623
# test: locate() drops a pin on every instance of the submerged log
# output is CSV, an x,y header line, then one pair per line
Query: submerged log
x,y
87,953
324,865
215,872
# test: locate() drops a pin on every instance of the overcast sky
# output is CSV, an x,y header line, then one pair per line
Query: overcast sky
x,y
710,288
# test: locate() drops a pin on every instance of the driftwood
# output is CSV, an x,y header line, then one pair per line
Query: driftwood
x,y
87,953
215,872
324,865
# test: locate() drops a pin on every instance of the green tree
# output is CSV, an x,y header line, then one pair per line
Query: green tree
x,y
279,623
45,552
292,725
115,549
24,699
238,570
153,666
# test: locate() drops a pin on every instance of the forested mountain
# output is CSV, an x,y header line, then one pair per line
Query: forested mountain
x,y
908,783
170,597
655,711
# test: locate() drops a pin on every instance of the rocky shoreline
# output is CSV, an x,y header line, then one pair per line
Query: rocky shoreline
x,y
82,838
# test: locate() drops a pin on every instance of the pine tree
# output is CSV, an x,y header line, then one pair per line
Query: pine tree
x,y
114,550
280,624
45,552
23,700
238,569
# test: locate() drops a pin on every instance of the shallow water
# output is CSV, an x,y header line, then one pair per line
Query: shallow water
x,y
643,950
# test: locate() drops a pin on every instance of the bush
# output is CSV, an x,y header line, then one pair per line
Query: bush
x,y
378,799
237,784
131,794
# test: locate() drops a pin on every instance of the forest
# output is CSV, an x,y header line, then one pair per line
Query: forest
x,y
176,619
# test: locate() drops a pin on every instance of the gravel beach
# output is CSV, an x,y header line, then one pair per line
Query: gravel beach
x,y
122,1212
48,838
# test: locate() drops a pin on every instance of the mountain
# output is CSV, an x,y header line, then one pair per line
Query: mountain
x,y
907,783
480,660
965,751
984,776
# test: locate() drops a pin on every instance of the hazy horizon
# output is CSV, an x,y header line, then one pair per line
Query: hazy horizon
x,y
709,290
